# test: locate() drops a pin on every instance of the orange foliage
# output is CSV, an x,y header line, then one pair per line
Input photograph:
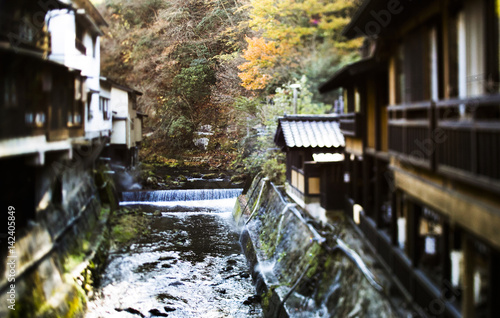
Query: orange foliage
x,y
261,56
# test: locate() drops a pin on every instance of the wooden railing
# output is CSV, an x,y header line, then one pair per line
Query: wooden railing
x,y
35,102
459,138
469,147
410,129
351,125
22,33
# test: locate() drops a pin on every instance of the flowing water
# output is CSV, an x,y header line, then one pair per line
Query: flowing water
x,y
191,265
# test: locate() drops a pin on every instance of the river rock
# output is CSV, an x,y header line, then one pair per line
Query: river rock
x,y
157,213
196,175
169,309
210,176
252,299
132,311
151,180
238,178
156,312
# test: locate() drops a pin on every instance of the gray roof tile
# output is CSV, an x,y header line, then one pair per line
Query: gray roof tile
x,y
311,133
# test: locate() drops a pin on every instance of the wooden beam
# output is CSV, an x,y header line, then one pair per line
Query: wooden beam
x,y
475,214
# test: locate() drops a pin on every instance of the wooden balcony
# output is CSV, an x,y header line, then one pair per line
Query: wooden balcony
x,y
351,124
37,98
458,138
410,129
23,34
469,147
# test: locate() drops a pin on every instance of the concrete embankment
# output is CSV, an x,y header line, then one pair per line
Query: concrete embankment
x,y
303,268
60,251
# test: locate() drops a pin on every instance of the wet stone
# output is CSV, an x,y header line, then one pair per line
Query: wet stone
x,y
157,313
168,309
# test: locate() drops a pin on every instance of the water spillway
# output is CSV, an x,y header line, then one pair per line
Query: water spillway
x,y
179,195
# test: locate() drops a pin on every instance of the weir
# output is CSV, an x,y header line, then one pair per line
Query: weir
x,y
180,195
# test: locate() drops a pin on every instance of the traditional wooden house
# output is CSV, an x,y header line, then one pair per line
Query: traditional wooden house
x,y
364,126
75,30
433,119
127,121
41,104
313,146
47,156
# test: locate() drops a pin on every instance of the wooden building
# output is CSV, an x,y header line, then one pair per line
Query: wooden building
x,y
422,129
48,153
313,146
126,136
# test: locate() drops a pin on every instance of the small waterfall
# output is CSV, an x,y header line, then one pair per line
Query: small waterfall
x,y
282,216
180,195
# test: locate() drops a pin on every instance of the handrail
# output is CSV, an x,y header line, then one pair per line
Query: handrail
x,y
475,100
451,102
412,106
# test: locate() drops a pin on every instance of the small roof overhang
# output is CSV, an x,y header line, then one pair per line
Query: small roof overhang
x,y
349,73
120,86
309,131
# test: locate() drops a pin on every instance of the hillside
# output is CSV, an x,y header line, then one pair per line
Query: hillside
x,y
224,63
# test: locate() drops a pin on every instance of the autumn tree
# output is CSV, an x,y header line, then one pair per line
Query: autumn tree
x,y
297,30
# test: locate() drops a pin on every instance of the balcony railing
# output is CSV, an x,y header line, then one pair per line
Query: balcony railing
x,y
37,98
23,34
469,143
410,129
350,124
459,138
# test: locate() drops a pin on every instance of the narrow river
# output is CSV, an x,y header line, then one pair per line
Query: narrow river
x,y
190,265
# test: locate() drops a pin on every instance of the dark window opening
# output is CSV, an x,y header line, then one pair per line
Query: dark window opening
x,y
79,39
430,243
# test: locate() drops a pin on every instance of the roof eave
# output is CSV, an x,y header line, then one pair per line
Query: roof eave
x,y
347,73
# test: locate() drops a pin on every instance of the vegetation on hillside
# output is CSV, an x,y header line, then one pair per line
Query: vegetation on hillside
x,y
224,63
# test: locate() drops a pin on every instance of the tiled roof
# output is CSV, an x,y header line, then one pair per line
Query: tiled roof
x,y
311,131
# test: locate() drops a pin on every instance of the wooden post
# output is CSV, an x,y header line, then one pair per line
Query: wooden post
x,y
445,46
468,278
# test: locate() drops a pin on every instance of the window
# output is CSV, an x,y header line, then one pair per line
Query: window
x,y
79,32
401,218
75,112
104,107
471,49
95,45
357,100
430,244
9,92
90,114
415,64
480,278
